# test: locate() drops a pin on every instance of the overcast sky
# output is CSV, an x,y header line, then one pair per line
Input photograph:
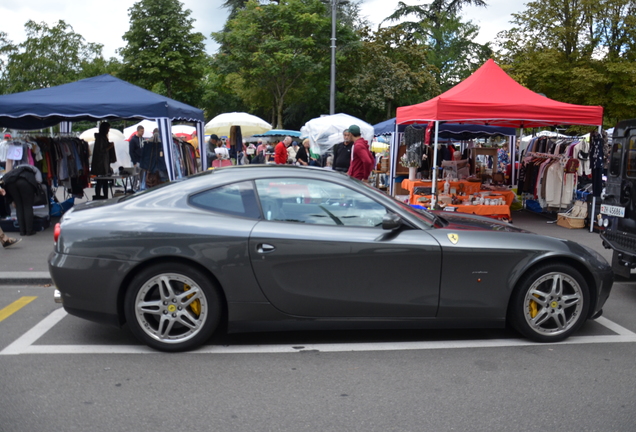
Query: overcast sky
x,y
105,22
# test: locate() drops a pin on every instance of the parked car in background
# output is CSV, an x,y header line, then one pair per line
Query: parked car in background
x,y
618,208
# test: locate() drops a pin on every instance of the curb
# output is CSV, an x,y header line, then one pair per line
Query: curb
x,y
25,278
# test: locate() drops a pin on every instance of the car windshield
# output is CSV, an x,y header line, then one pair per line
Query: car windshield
x,y
422,214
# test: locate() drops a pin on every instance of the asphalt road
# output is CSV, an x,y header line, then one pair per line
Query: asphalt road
x,y
58,372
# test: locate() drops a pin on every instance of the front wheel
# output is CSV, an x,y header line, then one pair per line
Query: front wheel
x,y
550,304
172,307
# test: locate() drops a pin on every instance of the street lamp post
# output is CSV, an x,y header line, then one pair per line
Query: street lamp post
x,y
332,92
332,89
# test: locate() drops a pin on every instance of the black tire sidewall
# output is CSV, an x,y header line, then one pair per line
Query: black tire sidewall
x,y
516,314
208,288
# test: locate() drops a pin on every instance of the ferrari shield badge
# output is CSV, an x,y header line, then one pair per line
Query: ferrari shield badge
x,y
454,238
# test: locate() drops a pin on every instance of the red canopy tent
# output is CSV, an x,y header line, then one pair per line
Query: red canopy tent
x,y
490,96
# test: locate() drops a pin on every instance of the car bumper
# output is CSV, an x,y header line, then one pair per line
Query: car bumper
x,y
89,287
604,282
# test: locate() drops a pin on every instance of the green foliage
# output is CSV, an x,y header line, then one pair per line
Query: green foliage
x,y
162,51
390,70
273,50
452,50
576,51
49,56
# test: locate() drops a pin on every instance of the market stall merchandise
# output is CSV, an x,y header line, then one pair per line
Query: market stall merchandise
x,y
98,98
491,97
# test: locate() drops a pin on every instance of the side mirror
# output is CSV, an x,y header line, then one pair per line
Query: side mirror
x,y
391,221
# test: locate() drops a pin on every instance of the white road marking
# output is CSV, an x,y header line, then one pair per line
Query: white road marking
x,y
614,327
27,339
25,344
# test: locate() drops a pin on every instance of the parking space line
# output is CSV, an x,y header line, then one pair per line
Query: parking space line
x,y
614,327
27,339
324,348
25,344
15,306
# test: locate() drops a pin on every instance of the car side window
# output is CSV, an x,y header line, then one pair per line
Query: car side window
x,y
317,202
237,199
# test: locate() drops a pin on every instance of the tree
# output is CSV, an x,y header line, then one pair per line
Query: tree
x,y
576,51
48,57
273,50
452,48
162,52
395,73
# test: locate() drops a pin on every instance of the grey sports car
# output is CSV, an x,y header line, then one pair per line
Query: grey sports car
x,y
263,247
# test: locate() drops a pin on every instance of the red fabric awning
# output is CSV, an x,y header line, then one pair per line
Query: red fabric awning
x,y
489,96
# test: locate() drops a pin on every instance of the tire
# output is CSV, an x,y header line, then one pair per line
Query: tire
x,y
161,313
550,303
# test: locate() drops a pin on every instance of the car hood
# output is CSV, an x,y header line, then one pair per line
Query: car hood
x,y
461,221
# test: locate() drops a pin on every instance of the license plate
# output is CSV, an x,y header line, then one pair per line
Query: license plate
x,y
611,210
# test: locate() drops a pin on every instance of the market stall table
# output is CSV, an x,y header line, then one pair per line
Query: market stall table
x,y
468,186
126,181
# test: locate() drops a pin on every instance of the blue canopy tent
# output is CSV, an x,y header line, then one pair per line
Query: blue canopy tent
x,y
450,130
455,131
279,132
102,97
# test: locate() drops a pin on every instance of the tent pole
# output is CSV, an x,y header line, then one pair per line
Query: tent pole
x,y
202,145
434,184
393,152
165,134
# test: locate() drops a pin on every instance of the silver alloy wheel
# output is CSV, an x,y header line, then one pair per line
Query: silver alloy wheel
x,y
171,308
553,304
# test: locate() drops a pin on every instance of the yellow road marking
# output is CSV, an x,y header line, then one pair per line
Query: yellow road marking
x,y
15,306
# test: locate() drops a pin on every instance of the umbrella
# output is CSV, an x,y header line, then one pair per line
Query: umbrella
x,y
325,132
183,131
250,124
113,135
148,125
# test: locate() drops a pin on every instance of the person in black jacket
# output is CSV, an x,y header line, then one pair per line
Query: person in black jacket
x,y
342,153
100,164
22,184
134,150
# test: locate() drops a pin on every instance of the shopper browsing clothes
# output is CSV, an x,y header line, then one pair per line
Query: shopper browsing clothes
x,y
22,184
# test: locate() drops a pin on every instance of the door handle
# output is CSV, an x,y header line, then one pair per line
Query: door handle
x,y
265,248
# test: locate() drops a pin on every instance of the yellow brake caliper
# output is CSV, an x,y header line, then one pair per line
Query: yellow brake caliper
x,y
195,305
533,307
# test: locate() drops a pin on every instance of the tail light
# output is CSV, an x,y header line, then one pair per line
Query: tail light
x,y
57,231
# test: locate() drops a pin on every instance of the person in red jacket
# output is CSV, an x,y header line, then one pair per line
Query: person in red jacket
x,y
280,153
362,161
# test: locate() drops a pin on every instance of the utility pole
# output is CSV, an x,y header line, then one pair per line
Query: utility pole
x,y
334,16
332,92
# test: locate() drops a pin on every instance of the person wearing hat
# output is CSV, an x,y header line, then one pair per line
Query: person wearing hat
x,y
213,143
362,161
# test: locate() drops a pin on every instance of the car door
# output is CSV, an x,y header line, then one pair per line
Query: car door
x,y
321,252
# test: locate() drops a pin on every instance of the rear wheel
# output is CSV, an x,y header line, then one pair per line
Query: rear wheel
x,y
172,307
550,304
